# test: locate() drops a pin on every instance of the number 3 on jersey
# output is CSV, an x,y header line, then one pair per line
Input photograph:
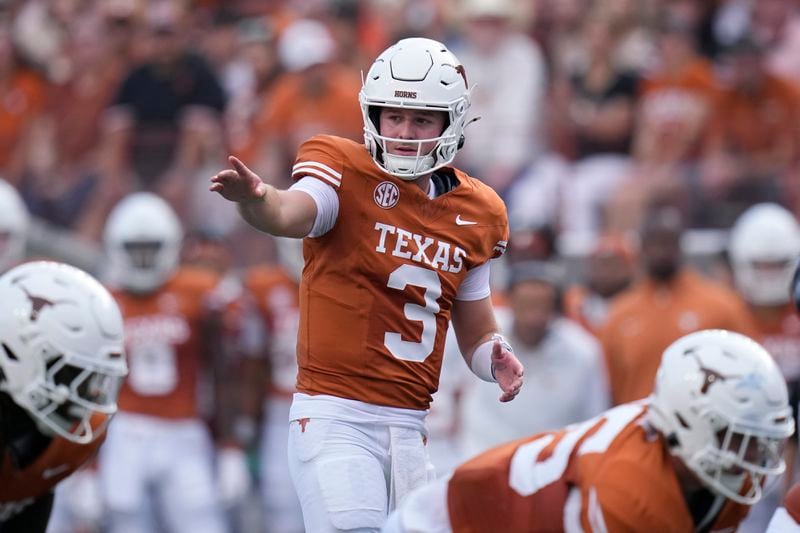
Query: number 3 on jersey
x,y
428,280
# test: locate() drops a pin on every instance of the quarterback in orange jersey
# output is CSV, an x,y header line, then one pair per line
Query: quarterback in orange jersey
x,y
396,244
691,457
159,452
61,365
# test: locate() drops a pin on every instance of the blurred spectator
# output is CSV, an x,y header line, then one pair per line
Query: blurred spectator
x,y
563,366
671,300
753,138
677,94
535,199
508,77
608,270
63,163
594,103
316,96
251,76
22,99
165,120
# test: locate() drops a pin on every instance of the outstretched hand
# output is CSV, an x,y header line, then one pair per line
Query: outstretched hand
x,y
508,371
239,184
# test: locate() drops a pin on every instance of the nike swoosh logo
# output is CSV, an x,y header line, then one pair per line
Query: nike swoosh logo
x,y
47,473
461,222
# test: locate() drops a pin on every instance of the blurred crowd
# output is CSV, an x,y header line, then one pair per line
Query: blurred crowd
x,y
624,136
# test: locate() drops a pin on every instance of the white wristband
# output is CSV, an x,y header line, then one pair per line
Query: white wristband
x,y
481,364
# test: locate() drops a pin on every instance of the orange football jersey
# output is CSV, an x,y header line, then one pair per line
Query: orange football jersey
x,y
276,296
611,473
60,459
164,345
378,288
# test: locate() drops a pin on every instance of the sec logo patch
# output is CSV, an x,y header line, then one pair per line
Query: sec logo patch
x,y
386,195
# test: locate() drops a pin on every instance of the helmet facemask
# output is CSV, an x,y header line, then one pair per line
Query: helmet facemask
x,y
412,166
739,461
73,390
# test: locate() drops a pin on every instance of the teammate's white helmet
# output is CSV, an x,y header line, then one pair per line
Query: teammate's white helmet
x,y
13,226
415,73
143,241
61,347
764,247
723,408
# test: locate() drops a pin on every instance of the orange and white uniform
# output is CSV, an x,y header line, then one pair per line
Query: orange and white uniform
x,y
611,473
159,437
376,295
377,289
276,298
21,485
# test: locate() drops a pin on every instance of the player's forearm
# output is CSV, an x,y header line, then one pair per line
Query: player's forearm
x,y
281,213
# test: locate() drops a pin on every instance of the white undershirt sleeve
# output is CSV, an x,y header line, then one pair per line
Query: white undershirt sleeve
x,y
476,284
327,202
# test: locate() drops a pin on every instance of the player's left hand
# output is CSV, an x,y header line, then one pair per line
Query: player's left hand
x,y
508,370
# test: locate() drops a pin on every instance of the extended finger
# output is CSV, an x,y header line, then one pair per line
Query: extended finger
x,y
240,167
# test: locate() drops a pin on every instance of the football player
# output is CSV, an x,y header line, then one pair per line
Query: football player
x,y
763,249
693,456
61,365
397,242
160,454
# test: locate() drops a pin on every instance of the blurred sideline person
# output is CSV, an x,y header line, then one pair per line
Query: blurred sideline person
x,y
563,364
61,366
157,470
692,457
609,270
275,289
14,222
670,300
396,243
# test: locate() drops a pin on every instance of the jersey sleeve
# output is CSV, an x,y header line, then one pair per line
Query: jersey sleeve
x,y
320,158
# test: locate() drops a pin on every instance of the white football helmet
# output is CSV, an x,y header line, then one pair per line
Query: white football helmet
x,y
764,247
13,226
415,73
61,348
723,408
143,241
